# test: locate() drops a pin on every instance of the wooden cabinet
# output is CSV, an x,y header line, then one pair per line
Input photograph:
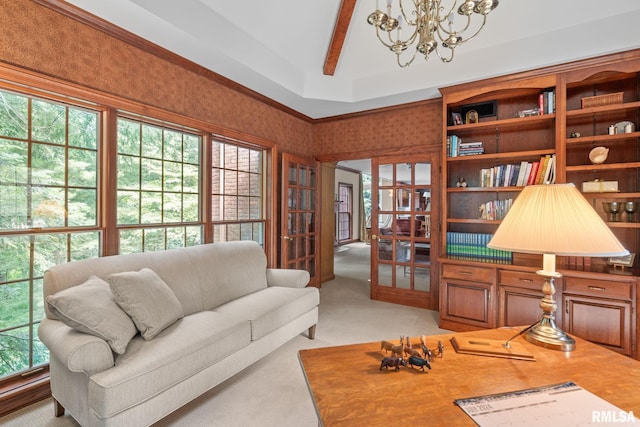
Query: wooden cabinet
x,y
601,311
467,294
519,295
594,109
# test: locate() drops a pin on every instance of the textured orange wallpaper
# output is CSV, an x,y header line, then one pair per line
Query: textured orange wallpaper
x,y
414,125
40,39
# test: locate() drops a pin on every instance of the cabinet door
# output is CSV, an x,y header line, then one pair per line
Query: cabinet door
x,y
605,322
519,296
518,306
466,305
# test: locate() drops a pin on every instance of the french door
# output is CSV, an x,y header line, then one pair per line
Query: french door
x,y
401,231
300,222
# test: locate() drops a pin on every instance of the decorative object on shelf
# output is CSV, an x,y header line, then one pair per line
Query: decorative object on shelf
x,y
429,24
622,261
471,117
456,118
623,127
598,155
574,135
462,182
554,220
600,186
599,100
613,208
528,113
630,208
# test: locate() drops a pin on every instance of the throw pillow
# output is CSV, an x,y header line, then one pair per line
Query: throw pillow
x,y
149,301
90,308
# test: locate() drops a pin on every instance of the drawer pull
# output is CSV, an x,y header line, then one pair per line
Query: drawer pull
x,y
597,288
526,280
466,273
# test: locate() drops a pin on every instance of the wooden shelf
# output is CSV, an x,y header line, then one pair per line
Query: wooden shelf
x,y
504,123
621,137
603,109
473,221
532,154
611,195
603,167
483,189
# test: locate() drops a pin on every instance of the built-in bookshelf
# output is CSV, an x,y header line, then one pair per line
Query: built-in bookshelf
x,y
545,127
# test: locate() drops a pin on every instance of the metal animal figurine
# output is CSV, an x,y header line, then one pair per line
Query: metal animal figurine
x,y
386,346
393,362
396,350
440,349
418,361
426,353
408,348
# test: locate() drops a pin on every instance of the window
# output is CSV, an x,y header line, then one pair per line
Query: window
x,y
158,187
56,205
344,206
48,212
237,210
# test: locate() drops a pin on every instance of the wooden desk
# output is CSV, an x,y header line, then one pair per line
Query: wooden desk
x,y
348,389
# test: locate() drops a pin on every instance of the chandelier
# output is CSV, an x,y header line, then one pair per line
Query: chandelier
x,y
430,26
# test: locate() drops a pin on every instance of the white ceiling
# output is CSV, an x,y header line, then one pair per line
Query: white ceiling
x,y
278,47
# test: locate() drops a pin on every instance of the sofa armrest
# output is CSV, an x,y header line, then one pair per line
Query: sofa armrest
x,y
287,278
78,351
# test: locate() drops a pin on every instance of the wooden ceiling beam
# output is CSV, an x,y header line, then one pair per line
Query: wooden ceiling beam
x,y
339,34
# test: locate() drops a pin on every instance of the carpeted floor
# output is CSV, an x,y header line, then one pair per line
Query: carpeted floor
x,y
273,392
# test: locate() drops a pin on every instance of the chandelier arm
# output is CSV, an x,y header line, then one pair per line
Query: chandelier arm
x,y
415,12
442,58
466,39
406,64
382,41
484,21
442,26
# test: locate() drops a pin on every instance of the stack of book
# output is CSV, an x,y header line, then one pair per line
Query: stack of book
x,y
495,209
547,102
541,171
470,148
455,147
473,247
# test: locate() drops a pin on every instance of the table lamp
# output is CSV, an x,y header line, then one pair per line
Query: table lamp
x,y
553,219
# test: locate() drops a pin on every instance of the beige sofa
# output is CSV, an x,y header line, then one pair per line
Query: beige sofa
x,y
206,313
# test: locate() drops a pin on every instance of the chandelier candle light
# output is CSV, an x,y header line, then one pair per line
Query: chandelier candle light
x,y
429,25
553,220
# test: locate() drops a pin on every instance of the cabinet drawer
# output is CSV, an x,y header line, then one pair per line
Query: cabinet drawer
x,y
476,274
598,288
522,279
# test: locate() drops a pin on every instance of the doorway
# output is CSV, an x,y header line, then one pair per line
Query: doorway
x,y
399,229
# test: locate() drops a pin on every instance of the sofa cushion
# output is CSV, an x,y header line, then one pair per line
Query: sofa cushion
x,y
147,299
270,308
91,308
182,350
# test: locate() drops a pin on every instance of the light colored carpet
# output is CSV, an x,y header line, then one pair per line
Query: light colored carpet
x,y
273,392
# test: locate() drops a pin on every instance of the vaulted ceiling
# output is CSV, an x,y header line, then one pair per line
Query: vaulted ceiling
x,y
282,48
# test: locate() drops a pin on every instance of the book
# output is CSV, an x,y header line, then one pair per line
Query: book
x,y
533,173
522,173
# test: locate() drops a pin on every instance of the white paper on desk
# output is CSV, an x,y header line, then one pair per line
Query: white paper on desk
x,y
556,405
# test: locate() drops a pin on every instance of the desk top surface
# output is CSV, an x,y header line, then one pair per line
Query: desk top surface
x,y
348,388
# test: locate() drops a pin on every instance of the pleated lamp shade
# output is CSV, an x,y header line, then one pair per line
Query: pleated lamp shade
x,y
555,219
